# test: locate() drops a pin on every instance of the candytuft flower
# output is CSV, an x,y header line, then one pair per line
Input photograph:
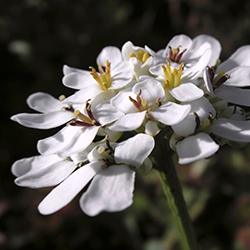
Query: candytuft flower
x,y
181,93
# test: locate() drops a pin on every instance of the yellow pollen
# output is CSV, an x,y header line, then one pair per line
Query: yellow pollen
x,y
104,152
103,77
61,97
83,117
140,55
172,76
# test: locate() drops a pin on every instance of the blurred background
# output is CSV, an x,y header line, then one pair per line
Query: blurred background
x,y
36,38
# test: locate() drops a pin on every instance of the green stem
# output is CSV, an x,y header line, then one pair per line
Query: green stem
x,y
173,192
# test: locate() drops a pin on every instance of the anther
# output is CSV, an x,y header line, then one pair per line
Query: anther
x,y
221,80
175,54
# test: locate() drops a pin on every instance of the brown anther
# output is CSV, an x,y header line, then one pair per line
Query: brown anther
x,y
197,121
109,146
221,80
69,108
135,102
90,114
211,72
75,122
175,54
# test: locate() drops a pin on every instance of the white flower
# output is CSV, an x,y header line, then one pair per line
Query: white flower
x,y
109,168
200,116
114,73
175,83
227,80
81,131
194,54
145,101
53,112
140,58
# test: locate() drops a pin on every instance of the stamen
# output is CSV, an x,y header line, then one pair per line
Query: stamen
x,y
106,154
140,55
61,98
139,103
172,75
103,77
211,72
83,117
69,108
90,114
75,122
218,82
175,54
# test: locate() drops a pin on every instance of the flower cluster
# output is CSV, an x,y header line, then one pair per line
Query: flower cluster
x,y
119,107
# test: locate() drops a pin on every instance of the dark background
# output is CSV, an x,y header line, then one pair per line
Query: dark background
x,y
36,38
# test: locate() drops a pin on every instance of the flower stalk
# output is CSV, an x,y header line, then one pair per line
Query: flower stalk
x,y
173,192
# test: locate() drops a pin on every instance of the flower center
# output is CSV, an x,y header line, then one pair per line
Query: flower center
x,y
218,79
172,76
107,153
84,120
139,103
140,55
175,54
142,105
103,77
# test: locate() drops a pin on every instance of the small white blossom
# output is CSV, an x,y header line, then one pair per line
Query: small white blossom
x,y
113,179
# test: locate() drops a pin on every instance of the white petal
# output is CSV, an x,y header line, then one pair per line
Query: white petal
x,y
76,80
121,75
129,122
232,129
111,54
23,166
111,190
43,121
197,69
151,128
127,49
122,103
157,70
65,192
186,127
186,92
207,82
239,77
43,102
105,113
203,108
171,113
234,95
84,95
47,175
196,147
127,153
150,90
68,70
102,110
182,41
69,140
241,57
198,41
